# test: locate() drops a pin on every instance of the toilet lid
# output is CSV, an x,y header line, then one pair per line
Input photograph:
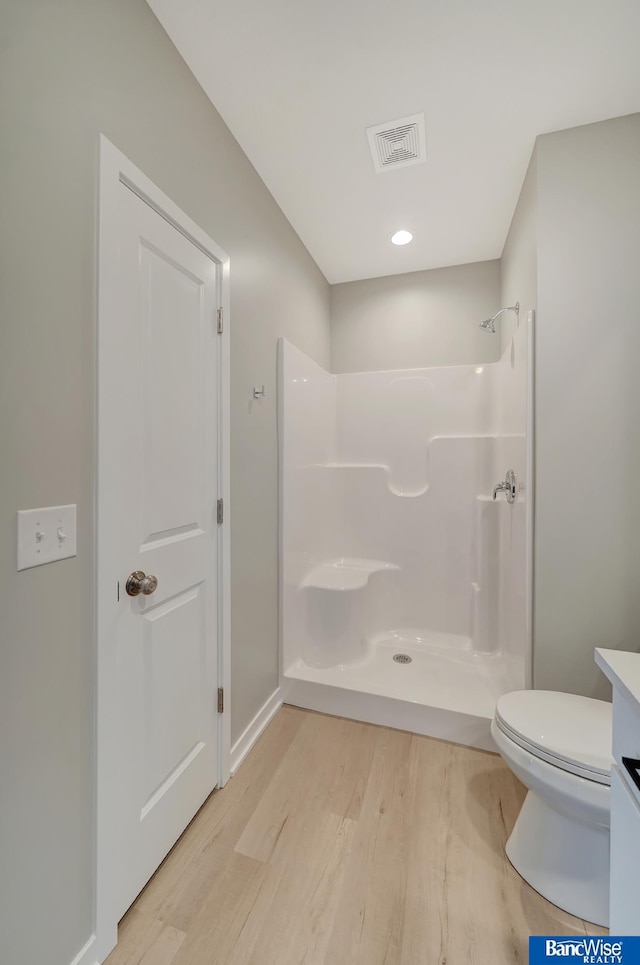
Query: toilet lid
x,y
573,732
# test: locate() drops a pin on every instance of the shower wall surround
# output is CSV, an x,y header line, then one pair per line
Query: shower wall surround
x,y
392,543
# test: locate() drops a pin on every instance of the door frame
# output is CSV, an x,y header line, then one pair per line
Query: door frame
x,y
116,170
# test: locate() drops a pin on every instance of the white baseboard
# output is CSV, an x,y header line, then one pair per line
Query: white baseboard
x,y
87,954
252,732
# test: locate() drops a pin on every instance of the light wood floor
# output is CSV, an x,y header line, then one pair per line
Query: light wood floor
x,y
346,844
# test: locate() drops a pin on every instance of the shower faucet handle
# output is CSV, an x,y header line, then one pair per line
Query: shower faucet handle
x,y
509,486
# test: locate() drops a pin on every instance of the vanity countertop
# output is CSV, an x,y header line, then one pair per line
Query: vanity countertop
x,y
623,670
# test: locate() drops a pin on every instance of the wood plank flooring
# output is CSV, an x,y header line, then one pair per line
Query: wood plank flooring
x,y
341,843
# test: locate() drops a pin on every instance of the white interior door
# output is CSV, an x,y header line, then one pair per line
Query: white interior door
x,y
159,482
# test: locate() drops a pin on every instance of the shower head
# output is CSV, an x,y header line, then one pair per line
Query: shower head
x,y
489,323
488,326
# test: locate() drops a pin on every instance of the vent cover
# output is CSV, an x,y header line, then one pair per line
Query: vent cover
x,y
398,143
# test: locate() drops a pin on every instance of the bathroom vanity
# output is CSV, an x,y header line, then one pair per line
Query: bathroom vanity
x,y
623,670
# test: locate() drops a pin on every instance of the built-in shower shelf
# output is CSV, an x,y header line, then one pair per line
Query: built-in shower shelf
x,y
356,465
396,489
346,573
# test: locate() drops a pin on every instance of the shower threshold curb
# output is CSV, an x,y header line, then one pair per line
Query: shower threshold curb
x,y
471,730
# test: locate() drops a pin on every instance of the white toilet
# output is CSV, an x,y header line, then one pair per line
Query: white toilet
x,y
559,746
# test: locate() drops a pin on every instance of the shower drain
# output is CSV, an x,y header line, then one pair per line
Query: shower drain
x,y
402,658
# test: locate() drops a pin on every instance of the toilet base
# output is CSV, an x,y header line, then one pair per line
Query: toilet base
x,y
566,861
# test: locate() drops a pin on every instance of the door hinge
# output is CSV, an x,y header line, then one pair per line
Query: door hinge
x,y
220,321
221,700
220,511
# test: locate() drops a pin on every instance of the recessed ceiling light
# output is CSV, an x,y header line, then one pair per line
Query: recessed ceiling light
x,y
401,237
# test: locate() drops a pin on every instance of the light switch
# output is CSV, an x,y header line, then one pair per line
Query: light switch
x,y
46,535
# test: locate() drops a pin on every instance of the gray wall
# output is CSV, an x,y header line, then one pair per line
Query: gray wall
x,y
519,263
587,529
420,318
69,70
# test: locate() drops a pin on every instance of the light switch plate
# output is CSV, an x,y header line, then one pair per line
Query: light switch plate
x,y
46,535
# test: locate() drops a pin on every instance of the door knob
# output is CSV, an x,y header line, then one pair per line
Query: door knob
x,y
138,582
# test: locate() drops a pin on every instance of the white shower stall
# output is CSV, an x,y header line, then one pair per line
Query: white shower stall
x,y
404,584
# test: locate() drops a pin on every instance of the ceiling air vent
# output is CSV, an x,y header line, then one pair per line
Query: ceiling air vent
x,y
397,144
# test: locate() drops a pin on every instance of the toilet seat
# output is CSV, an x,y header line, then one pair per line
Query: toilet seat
x,y
571,732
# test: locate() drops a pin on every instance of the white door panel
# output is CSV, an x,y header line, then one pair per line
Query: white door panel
x,y
174,442
158,422
173,719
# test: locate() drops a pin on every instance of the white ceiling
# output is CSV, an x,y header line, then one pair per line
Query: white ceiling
x,y
298,81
